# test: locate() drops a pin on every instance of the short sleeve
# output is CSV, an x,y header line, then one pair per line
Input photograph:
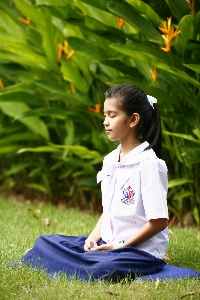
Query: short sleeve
x,y
154,185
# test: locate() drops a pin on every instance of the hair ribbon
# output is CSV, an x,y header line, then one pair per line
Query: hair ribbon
x,y
151,100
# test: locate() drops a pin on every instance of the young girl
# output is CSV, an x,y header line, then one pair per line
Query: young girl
x,y
131,236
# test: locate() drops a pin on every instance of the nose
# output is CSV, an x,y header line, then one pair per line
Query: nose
x,y
105,122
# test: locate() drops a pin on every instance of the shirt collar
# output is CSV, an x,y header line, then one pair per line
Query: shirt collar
x,y
134,156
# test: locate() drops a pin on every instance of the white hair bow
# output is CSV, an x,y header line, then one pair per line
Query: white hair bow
x,y
151,100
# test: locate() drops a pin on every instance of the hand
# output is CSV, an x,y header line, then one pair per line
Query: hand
x,y
90,245
106,247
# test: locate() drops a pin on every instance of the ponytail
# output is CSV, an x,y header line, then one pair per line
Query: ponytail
x,y
154,134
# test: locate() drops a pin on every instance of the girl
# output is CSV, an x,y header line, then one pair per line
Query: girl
x,y
131,236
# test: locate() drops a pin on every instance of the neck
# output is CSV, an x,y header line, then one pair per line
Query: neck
x,y
127,147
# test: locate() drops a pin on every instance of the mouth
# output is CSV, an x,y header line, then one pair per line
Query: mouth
x,y
108,131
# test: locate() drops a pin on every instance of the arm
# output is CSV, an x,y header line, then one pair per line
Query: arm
x,y
94,237
151,228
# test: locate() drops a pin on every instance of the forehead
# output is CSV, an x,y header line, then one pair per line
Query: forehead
x,y
111,104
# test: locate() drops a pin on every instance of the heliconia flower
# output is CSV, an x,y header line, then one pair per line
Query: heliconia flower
x,y
60,50
72,87
70,55
169,33
154,74
65,48
120,23
1,85
26,21
97,108
167,43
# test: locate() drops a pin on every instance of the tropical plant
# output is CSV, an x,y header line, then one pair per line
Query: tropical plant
x,y
57,59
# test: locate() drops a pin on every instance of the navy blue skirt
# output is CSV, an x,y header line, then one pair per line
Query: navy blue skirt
x,y
58,254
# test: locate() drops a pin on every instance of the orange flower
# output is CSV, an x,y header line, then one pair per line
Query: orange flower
x,y
97,108
166,26
1,85
154,74
167,43
64,49
73,89
26,21
70,55
169,34
60,50
120,23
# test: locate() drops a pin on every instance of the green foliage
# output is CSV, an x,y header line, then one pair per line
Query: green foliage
x,y
48,135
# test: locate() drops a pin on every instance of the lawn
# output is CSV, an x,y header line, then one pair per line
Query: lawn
x,y
21,223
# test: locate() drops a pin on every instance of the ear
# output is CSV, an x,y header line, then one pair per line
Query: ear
x,y
134,120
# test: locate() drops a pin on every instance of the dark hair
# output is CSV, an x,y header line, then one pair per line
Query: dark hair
x,y
131,99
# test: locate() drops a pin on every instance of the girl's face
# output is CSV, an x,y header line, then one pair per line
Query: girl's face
x,y
117,124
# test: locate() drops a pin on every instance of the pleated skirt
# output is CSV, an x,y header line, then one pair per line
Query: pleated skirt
x,y
58,254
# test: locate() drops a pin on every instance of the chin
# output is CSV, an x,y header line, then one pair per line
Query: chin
x,y
112,139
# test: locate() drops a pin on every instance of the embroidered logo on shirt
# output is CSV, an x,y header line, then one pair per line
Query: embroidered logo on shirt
x,y
128,196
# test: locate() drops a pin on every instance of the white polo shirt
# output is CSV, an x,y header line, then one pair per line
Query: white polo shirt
x,y
134,191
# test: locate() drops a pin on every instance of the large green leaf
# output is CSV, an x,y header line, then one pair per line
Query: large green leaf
x,y
27,10
88,49
187,32
54,112
10,148
52,87
38,149
17,137
197,22
17,168
152,60
48,32
11,27
72,74
18,87
104,17
52,2
79,151
133,52
193,67
191,154
35,124
127,13
38,187
98,3
178,8
146,10
183,136
177,182
25,56
180,88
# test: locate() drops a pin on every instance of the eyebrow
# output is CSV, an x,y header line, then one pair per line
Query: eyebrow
x,y
110,111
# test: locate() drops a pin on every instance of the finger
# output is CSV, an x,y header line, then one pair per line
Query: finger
x,y
101,248
91,244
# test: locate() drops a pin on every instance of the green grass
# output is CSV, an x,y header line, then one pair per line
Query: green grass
x,y
22,223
